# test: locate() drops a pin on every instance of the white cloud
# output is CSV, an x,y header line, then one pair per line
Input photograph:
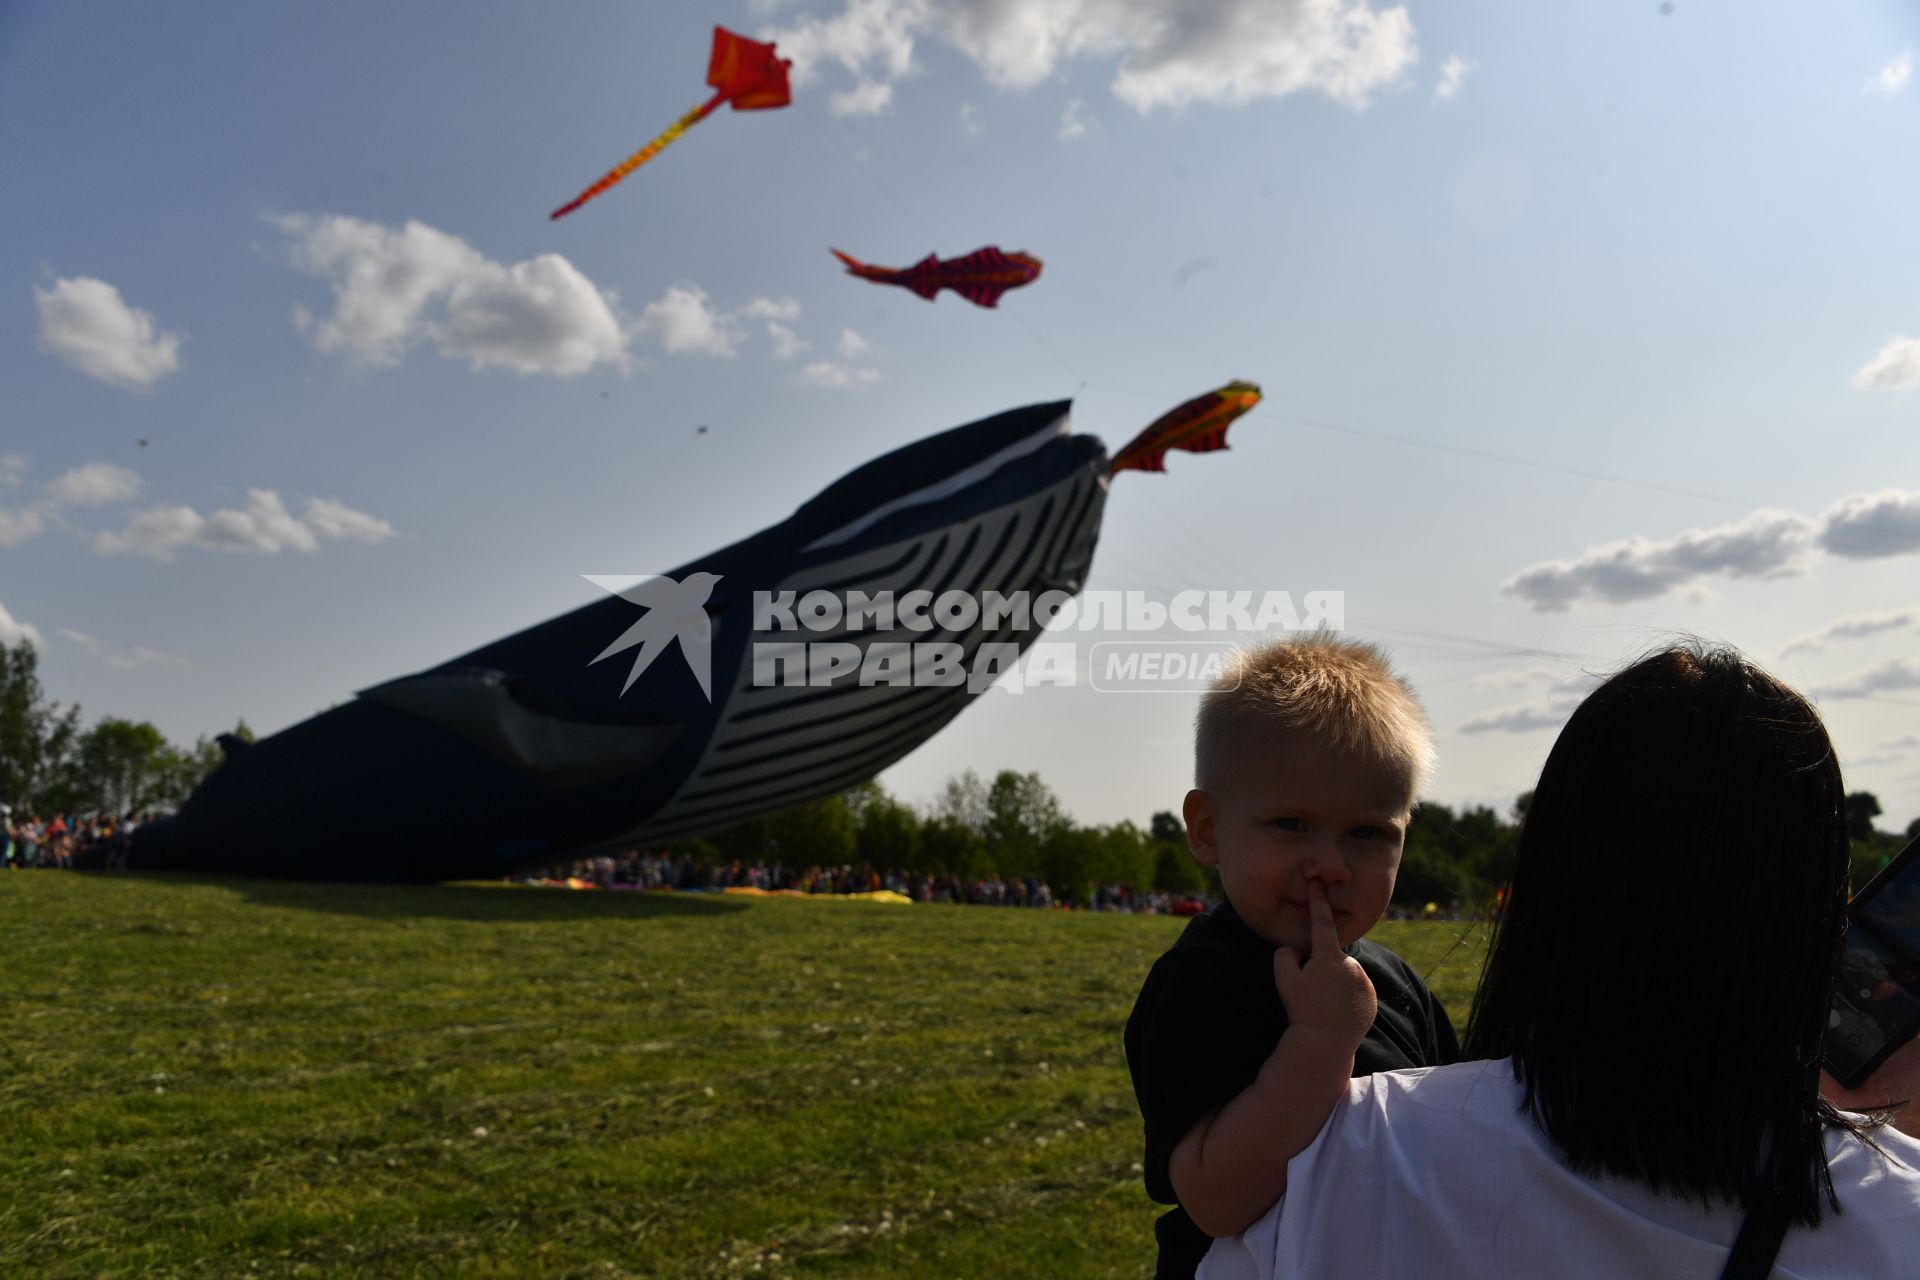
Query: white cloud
x,y
786,343
1453,72
787,309
12,630
1171,52
846,372
1074,121
779,313
970,120
868,98
537,316
1853,626
154,532
264,525
12,467
19,524
87,324
1514,679
93,485
342,523
1515,720
1893,77
866,32
1897,366
1762,545
828,374
682,322
1891,676
1871,526
1905,742
394,289
127,659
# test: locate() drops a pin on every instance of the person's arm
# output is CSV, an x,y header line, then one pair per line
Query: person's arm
x,y
1232,1165
1894,1085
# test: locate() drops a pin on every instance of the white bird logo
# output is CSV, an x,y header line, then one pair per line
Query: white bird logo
x,y
674,611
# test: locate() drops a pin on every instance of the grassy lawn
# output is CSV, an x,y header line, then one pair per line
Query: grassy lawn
x,y
215,1077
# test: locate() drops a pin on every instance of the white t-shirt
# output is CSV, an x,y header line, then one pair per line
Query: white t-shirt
x,y
1439,1173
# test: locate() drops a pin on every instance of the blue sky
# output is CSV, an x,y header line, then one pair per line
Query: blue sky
x,y
1579,325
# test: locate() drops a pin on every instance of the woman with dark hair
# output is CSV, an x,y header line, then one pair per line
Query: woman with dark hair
x,y
1649,1023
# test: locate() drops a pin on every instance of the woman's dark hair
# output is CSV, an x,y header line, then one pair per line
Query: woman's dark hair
x,y
1662,972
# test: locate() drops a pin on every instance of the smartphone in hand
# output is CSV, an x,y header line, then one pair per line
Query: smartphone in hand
x,y
1876,998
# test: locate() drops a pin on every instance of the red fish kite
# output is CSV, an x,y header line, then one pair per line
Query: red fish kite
x,y
980,277
742,71
1198,426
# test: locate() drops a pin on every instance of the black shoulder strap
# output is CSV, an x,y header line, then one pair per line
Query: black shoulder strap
x,y
1757,1245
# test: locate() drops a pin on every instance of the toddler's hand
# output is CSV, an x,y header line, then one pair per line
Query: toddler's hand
x,y
1330,993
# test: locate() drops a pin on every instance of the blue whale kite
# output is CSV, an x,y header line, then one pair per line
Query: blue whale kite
x,y
554,743
636,719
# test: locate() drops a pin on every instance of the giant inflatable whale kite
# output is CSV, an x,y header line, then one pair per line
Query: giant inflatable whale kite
x,y
551,742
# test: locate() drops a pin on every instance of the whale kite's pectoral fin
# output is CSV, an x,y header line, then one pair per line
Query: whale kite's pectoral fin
x,y
561,752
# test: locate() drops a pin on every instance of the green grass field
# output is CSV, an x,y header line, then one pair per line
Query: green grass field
x,y
210,1077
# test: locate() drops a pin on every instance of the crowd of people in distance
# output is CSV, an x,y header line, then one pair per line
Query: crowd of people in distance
x,y
661,871
28,840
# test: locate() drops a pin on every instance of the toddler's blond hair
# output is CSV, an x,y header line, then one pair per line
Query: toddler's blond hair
x,y
1343,692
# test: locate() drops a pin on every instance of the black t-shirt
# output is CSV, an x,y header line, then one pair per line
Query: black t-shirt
x,y
1209,1017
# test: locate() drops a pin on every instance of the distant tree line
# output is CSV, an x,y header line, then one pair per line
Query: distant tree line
x,y
50,763
1011,827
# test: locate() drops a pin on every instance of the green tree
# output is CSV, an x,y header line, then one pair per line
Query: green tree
x,y
183,769
819,833
1126,856
860,795
965,801
888,834
37,736
949,847
120,766
1862,808
1021,814
1174,870
749,841
1069,860
1168,827
1913,829
1450,855
1426,875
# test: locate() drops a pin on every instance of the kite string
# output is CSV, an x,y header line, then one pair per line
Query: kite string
x,y
853,155
1318,422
